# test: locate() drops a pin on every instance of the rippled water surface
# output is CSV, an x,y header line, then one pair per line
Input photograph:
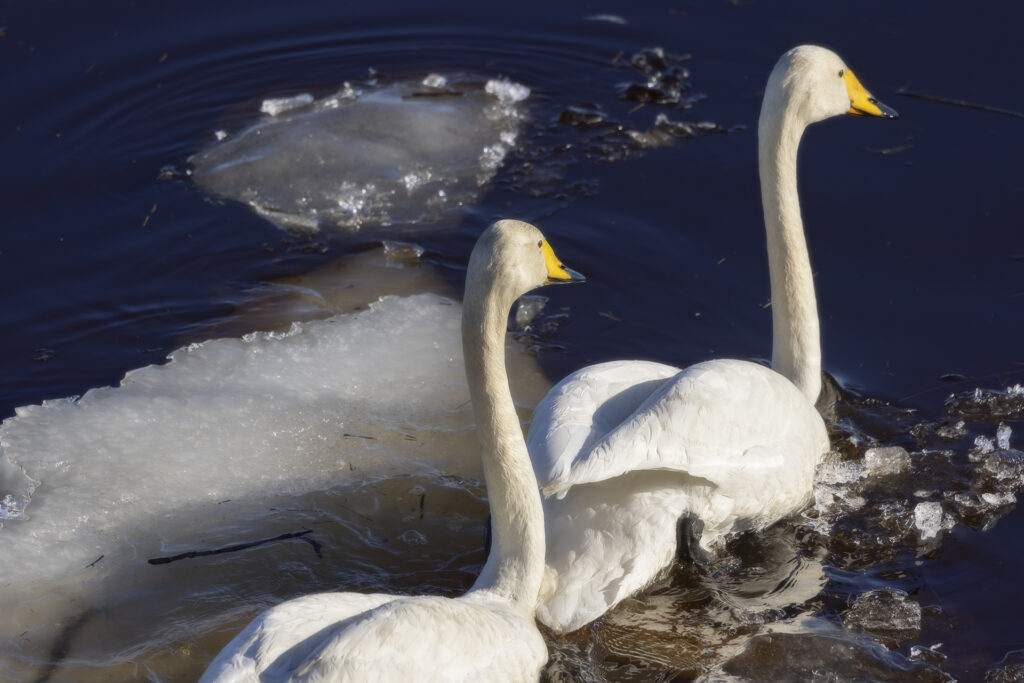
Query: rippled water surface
x,y
635,151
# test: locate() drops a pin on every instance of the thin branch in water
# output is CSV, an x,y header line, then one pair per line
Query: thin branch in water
x,y
239,546
885,151
960,103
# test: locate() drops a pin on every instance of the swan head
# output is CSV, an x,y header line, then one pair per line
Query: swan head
x,y
815,84
517,255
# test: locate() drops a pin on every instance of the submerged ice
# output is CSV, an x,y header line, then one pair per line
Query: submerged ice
x,y
369,155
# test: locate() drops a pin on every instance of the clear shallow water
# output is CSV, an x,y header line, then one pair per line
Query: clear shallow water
x,y
105,268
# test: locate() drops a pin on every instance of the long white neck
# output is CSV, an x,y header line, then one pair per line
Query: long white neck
x,y
796,342
516,562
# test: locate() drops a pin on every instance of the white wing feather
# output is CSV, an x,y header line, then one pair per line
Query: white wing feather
x,y
582,408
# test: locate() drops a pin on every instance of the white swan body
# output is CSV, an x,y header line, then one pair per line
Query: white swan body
x,y
624,449
488,634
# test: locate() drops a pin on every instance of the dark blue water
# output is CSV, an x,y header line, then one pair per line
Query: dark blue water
x,y
913,225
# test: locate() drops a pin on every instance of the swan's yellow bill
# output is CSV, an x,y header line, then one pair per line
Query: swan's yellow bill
x,y
557,273
861,101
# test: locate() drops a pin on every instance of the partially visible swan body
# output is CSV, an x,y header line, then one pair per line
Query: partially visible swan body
x,y
625,449
488,634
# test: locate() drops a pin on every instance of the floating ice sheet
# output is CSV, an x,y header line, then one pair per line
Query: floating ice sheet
x,y
220,445
368,155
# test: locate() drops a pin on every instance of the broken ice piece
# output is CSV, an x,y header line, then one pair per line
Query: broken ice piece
x,y
886,461
931,520
885,612
1003,436
527,308
279,105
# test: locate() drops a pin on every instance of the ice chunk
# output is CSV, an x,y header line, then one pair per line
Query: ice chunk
x,y
373,156
886,461
999,499
1010,669
1004,468
951,431
10,507
931,654
414,179
837,486
982,445
435,81
885,612
401,254
931,520
507,91
989,403
528,308
279,105
1003,436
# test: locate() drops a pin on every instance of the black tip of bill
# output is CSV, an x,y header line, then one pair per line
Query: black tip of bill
x,y
573,277
887,111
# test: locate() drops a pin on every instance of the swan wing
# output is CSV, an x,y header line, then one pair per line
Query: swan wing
x,y
723,421
584,407
430,638
286,631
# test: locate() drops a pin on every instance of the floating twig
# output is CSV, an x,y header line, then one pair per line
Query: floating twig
x,y
960,103
240,546
885,151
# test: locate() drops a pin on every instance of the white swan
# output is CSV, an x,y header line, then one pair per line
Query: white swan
x,y
487,634
624,449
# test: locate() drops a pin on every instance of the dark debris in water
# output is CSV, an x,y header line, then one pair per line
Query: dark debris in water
x,y
664,83
663,80
647,112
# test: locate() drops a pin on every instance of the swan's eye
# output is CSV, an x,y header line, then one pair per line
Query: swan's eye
x,y
841,72
540,244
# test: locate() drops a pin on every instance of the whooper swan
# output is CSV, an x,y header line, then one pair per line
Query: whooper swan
x,y
625,449
488,634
